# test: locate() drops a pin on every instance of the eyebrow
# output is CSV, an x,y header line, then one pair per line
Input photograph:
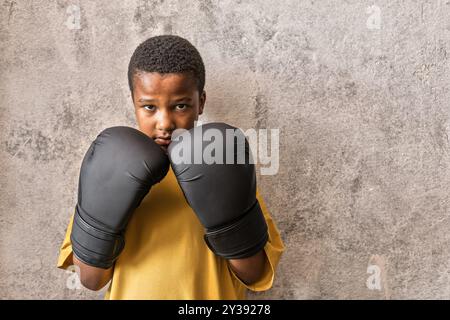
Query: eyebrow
x,y
155,100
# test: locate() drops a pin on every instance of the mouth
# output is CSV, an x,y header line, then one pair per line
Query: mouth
x,y
163,142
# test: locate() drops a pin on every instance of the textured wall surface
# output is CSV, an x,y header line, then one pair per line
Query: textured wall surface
x,y
358,89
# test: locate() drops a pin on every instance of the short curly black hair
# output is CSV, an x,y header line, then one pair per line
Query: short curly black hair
x,y
167,54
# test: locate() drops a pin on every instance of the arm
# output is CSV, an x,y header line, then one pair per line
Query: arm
x,y
111,186
91,277
251,269
235,227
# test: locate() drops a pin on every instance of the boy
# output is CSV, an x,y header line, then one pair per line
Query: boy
x,y
165,255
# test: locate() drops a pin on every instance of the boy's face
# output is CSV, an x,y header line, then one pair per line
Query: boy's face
x,y
165,102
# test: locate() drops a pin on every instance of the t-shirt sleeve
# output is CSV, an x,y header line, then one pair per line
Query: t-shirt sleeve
x,y
273,249
65,252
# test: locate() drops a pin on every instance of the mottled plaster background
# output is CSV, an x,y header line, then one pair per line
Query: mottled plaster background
x,y
358,89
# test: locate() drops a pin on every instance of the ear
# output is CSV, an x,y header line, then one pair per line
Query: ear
x,y
202,102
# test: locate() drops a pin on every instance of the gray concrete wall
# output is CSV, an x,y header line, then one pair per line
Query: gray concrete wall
x,y
358,89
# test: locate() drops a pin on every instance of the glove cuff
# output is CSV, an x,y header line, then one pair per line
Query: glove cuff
x,y
241,239
93,246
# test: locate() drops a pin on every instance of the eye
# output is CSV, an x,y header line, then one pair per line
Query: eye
x,y
149,108
181,106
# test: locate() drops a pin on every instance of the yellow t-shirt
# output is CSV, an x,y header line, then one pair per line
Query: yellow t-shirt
x,y
165,256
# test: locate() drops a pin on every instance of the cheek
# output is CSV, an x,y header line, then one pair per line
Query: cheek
x,y
186,121
145,123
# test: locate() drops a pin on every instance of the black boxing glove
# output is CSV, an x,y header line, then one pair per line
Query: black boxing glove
x,y
117,172
221,188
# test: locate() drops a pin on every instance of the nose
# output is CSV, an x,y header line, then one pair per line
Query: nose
x,y
164,121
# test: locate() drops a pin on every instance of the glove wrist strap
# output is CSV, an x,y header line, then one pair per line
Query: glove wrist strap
x,y
92,245
241,239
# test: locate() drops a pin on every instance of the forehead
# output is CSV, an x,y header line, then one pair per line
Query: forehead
x,y
153,83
